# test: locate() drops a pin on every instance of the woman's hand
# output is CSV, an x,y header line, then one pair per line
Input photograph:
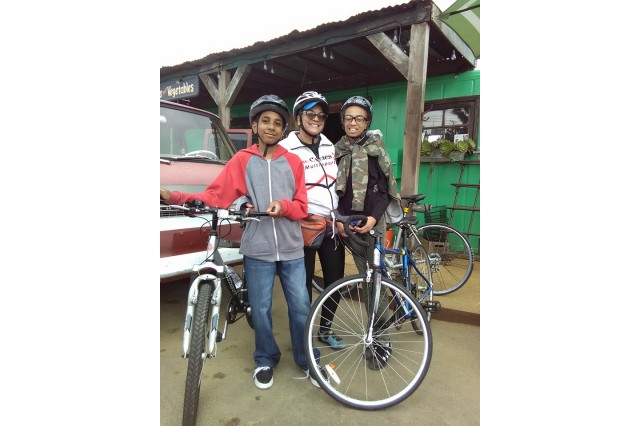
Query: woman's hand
x,y
340,227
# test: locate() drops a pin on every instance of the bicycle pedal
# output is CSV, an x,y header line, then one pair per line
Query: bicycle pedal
x,y
432,306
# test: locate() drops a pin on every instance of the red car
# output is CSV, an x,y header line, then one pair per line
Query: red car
x,y
194,147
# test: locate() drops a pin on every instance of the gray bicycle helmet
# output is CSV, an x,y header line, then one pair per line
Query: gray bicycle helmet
x,y
269,103
308,100
359,101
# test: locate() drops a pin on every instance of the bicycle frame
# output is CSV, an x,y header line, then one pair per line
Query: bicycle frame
x,y
379,269
406,261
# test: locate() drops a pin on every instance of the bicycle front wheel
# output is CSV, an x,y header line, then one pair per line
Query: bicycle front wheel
x,y
318,277
450,256
369,375
196,355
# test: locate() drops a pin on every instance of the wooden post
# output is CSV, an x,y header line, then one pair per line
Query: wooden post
x,y
416,83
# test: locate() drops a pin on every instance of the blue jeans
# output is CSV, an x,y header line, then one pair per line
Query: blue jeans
x,y
260,277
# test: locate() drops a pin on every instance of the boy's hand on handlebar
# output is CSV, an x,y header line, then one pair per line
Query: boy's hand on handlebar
x,y
164,194
371,222
274,209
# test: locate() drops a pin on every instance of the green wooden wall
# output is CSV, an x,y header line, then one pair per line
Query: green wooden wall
x,y
434,179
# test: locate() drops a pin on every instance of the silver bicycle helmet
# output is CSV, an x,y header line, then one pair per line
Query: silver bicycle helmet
x,y
269,103
359,101
310,99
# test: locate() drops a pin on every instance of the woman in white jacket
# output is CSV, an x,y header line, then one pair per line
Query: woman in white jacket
x,y
318,156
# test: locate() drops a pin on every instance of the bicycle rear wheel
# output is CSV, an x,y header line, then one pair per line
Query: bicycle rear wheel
x,y
450,256
196,355
356,378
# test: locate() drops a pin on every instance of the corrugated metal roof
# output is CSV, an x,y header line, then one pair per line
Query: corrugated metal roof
x,y
329,57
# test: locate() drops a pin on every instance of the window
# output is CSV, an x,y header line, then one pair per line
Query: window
x,y
450,119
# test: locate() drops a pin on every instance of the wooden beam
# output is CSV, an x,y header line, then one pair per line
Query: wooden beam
x,y
225,92
223,109
417,76
236,83
210,85
391,51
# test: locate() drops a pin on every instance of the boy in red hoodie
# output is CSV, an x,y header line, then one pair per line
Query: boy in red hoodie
x,y
273,179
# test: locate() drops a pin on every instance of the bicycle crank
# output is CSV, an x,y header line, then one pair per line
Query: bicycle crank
x,y
232,310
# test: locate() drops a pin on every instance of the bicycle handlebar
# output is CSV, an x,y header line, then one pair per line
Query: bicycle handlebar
x,y
347,220
197,207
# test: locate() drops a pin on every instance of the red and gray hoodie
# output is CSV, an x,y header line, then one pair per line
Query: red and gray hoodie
x,y
279,179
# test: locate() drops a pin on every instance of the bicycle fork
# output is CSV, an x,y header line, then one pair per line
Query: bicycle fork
x,y
214,314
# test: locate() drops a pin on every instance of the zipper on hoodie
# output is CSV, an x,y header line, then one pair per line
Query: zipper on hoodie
x,y
273,219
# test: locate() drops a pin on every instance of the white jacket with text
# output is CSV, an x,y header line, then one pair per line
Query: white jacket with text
x,y
320,173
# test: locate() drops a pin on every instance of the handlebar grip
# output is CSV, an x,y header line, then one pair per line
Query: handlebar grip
x,y
346,220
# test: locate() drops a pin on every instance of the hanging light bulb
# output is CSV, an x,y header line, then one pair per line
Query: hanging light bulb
x,y
324,52
272,71
265,66
395,36
453,55
331,54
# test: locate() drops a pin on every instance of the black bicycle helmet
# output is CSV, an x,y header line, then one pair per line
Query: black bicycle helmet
x,y
359,101
308,97
269,103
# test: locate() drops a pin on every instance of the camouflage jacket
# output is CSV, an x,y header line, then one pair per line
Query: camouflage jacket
x,y
355,159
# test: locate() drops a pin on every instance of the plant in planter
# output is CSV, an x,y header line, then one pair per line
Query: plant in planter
x,y
444,148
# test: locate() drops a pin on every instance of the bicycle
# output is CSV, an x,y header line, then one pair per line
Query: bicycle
x,y
205,299
379,365
431,259
450,255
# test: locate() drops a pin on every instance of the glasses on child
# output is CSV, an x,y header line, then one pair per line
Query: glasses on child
x,y
359,119
311,115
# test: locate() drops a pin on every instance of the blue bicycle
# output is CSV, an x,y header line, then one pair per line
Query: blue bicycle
x,y
379,365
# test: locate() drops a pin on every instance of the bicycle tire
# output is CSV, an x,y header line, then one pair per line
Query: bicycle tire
x,y
318,277
450,255
359,386
196,355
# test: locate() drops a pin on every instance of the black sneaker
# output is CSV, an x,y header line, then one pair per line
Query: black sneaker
x,y
378,355
263,377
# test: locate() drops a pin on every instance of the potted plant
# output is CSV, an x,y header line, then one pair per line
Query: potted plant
x,y
444,148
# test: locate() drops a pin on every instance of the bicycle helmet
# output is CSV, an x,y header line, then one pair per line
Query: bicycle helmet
x,y
308,100
269,103
359,101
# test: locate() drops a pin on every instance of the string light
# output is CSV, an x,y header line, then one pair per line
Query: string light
x,y
265,66
453,55
331,54
395,36
324,52
272,71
